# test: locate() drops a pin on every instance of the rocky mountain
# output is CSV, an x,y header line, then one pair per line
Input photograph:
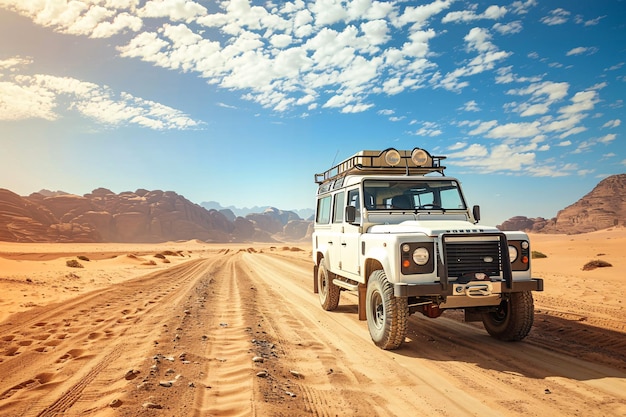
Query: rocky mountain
x,y
140,216
603,207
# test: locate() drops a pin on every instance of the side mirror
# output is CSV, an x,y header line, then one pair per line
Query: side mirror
x,y
476,213
350,214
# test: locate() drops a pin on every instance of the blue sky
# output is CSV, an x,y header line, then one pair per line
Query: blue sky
x,y
242,102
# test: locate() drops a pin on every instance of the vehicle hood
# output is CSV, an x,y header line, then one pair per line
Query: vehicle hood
x,y
432,227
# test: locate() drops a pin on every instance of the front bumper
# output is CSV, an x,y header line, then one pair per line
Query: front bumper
x,y
436,289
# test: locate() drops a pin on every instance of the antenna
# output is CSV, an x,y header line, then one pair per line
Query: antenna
x,y
335,158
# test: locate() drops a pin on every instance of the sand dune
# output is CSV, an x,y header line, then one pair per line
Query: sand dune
x,y
192,329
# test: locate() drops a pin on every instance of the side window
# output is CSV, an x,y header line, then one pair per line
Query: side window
x,y
338,207
354,201
323,210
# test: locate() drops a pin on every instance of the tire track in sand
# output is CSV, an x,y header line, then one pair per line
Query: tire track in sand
x,y
52,355
63,403
229,371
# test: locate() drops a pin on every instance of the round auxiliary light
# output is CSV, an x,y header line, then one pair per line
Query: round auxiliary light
x,y
406,248
419,157
512,253
525,244
392,157
420,256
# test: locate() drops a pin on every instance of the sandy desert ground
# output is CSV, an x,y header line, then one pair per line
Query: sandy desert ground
x,y
235,330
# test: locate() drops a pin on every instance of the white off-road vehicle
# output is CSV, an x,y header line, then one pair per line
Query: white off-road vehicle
x,y
406,241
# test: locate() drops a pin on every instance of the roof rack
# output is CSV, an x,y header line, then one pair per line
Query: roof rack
x,y
388,162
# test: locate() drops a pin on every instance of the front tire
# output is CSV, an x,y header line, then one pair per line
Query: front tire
x,y
328,292
387,315
513,319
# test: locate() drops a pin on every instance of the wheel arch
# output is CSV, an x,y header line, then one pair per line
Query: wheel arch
x,y
318,257
371,265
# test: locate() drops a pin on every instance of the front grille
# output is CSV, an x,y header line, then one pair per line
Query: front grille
x,y
468,257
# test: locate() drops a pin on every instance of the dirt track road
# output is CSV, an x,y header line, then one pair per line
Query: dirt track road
x,y
181,342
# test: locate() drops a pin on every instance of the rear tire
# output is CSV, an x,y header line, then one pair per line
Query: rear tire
x,y
387,315
328,292
513,319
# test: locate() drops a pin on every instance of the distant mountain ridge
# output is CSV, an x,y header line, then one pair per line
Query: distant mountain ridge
x,y
602,208
139,216
306,214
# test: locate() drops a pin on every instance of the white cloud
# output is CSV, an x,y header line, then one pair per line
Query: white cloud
x,y
376,32
281,40
22,101
542,96
484,127
556,17
120,23
176,10
591,22
328,12
514,130
14,63
43,96
508,28
501,157
521,7
457,146
428,129
356,108
581,50
612,123
470,106
581,102
93,18
584,172
615,67
607,138
492,13
478,40
418,16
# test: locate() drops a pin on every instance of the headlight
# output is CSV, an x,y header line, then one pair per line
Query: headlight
x,y
512,253
421,256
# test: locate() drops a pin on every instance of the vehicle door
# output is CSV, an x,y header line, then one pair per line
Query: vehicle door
x,y
350,237
336,231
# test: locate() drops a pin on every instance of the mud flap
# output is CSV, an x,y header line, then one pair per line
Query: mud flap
x,y
315,289
362,296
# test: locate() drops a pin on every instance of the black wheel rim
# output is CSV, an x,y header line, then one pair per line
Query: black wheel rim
x,y
378,310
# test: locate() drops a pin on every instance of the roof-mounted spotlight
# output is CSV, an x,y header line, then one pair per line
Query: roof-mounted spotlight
x,y
420,157
392,157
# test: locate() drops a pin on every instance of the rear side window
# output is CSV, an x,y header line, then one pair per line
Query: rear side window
x,y
323,210
338,208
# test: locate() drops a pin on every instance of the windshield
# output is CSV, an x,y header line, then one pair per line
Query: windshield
x,y
423,194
